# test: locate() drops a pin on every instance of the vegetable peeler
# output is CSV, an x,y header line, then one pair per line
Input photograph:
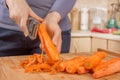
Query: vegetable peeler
x,y
32,26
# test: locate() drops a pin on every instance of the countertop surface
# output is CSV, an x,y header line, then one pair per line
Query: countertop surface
x,y
93,34
10,69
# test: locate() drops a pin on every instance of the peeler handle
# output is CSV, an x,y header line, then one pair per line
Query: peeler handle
x,y
32,25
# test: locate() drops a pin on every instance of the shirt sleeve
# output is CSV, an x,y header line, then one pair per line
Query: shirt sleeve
x,y
63,7
3,2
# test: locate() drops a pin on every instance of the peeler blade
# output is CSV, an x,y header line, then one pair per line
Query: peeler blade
x,y
32,25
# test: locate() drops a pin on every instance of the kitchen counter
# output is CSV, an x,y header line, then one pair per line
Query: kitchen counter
x,y
10,69
93,34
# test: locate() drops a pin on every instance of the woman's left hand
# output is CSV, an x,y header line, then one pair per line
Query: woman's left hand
x,y
51,21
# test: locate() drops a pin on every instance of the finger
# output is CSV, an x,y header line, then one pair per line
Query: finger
x,y
42,46
32,14
23,25
50,33
57,41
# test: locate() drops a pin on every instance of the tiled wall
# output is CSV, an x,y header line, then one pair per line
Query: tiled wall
x,y
75,13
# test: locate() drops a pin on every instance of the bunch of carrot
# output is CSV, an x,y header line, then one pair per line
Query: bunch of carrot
x,y
93,63
74,65
80,64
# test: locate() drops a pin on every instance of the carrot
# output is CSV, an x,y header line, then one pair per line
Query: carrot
x,y
82,70
62,66
49,47
54,66
31,60
94,60
39,58
105,64
53,71
24,63
44,66
110,69
29,69
32,68
79,59
72,67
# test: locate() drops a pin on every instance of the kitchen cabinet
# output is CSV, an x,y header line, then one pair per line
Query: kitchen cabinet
x,y
80,44
98,43
114,45
86,41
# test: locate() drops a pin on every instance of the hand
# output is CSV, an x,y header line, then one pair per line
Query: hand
x,y
51,22
19,12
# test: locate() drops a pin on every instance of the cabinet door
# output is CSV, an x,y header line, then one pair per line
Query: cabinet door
x,y
114,45
98,43
80,45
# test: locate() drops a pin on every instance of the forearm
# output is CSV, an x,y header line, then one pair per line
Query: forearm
x,y
63,7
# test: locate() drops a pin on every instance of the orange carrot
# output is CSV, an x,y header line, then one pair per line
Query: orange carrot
x,y
82,70
105,64
31,60
71,68
39,58
94,60
62,66
32,68
110,69
24,63
53,71
44,66
49,47
73,65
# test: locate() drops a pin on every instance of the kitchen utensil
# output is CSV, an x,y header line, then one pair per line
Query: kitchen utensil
x,y
32,25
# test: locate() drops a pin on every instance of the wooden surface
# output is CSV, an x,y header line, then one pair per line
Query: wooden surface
x,y
10,69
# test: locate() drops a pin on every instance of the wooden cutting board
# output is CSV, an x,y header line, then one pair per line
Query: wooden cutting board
x,y
10,69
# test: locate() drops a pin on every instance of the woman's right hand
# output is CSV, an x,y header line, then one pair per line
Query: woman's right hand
x,y
19,12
